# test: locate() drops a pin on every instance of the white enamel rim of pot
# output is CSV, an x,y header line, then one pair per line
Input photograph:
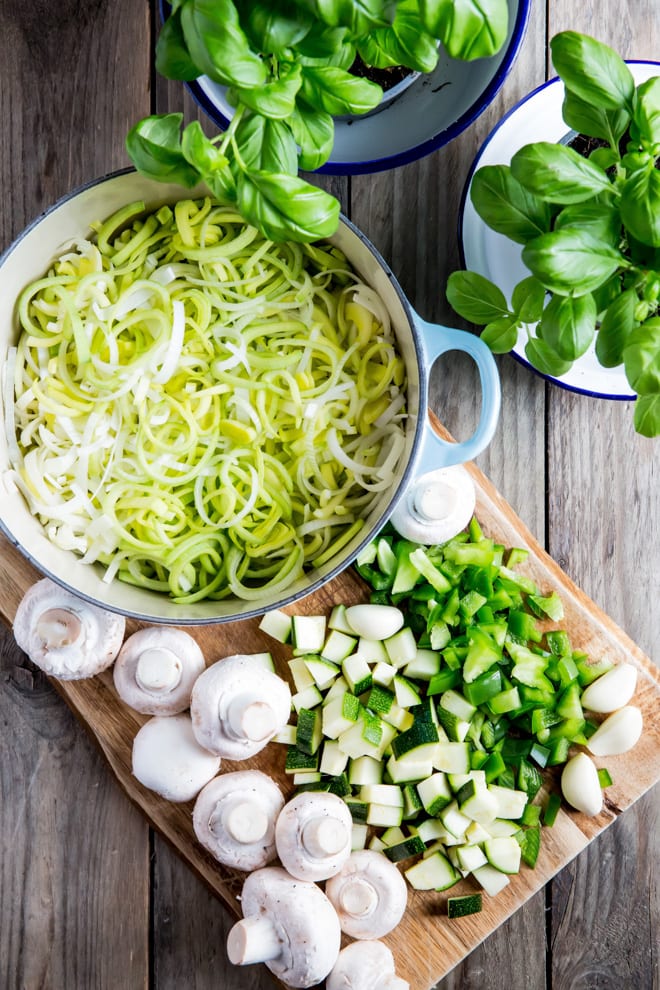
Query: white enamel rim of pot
x,y
421,118
537,117
420,344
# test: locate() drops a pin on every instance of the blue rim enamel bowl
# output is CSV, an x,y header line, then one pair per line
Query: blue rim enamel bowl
x,y
427,115
537,117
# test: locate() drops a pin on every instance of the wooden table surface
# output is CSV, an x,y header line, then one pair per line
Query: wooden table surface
x,y
90,899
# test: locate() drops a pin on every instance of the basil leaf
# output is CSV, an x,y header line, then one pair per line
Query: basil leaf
x,y
501,334
468,29
267,144
285,207
359,16
583,117
321,41
600,218
604,158
557,174
544,359
154,147
475,298
274,27
314,131
647,111
640,206
615,327
336,91
592,70
278,97
568,324
570,261
641,357
404,43
209,161
172,56
506,206
527,300
218,45
647,415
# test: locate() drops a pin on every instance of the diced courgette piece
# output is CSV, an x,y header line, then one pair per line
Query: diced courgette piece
x,y
302,678
408,770
309,731
359,833
322,670
277,624
340,714
510,803
357,672
399,717
470,857
452,757
424,666
456,729
502,826
306,777
454,702
406,693
383,673
492,880
384,815
309,697
339,621
419,734
503,853
410,846
460,907
380,700
365,770
479,805
333,761
454,820
308,633
382,794
337,688
434,793
476,833
372,650
433,873
431,830
401,647
286,735
338,646
358,809
265,659
393,835
297,761
412,804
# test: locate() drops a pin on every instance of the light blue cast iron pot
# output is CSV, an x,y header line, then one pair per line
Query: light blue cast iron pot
x,y
420,344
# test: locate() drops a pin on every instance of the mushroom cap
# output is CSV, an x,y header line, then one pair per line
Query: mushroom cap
x,y
305,921
64,635
156,669
237,706
313,835
369,895
168,759
234,818
437,506
365,965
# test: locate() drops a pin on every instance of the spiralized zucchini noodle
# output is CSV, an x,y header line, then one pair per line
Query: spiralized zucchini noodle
x,y
200,410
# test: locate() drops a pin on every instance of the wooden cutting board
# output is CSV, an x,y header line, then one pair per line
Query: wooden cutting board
x,y
426,944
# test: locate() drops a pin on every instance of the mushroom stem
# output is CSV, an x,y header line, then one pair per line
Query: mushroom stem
x,y
59,627
392,982
245,821
158,670
358,897
253,940
324,836
250,719
434,501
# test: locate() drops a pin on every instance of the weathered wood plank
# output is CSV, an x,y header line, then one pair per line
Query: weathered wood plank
x,y
68,918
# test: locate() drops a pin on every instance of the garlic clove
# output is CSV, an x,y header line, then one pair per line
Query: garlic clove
x,y
618,733
580,785
611,690
374,622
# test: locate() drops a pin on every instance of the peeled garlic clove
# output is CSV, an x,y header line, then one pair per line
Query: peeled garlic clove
x,y
618,733
580,785
374,621
612,690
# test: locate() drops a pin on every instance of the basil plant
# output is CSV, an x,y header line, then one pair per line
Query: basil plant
x,y
287,65
590,230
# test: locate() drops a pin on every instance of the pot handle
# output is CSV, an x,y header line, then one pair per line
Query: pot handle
x,y
436,340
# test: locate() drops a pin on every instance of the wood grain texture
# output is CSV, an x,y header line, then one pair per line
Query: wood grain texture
x,y
122,911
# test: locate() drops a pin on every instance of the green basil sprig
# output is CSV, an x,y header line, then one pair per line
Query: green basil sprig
x,y
287,68
589,230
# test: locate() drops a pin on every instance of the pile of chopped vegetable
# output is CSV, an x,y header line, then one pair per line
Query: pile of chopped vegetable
x,y
202,411
435,727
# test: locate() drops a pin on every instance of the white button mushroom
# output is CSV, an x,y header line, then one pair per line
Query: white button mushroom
x,y
618,733
580,785
369,895
156,669
64,635
168,759
234,818
611,690
313,835
237,706
365,966
374,622
288,924
437,506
